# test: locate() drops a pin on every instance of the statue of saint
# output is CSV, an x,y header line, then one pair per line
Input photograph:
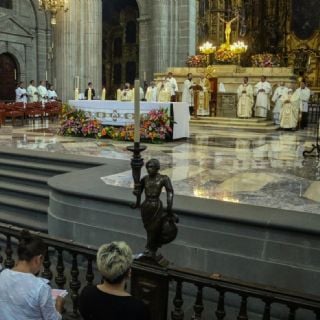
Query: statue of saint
x,y
227,30
160,225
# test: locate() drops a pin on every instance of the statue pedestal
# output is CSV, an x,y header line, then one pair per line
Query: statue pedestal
x,y
151,287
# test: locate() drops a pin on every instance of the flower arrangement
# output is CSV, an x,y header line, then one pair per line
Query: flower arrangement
x,y
76,123
225,54
155,126
197,61
266,60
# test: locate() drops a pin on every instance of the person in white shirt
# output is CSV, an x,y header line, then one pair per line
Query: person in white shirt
x,y
42,92
276,98
152,92
245,99
187,94
52,95
21,93
262,90
304,95
32,92
23,295
172,84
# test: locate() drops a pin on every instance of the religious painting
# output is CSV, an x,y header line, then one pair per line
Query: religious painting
x,y
6,4
305,18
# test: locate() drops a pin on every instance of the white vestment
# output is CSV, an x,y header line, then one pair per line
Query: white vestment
x,y
21,95
204,98
172,86
32,93
187,94
245,101
164,94
276,98
43,94
289,113
151,94
263,98
126,95
304,96
52,95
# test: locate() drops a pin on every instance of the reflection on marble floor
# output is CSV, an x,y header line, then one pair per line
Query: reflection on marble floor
x,y
266,169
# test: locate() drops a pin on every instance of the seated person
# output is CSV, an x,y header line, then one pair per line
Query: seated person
x,y
22,294
110,300
93,93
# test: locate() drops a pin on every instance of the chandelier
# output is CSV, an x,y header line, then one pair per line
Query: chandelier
x,y
53,6
207,48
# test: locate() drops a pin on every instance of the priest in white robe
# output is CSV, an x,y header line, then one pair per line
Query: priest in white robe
x,y
21,93
187,94
126,93
42,92
164,93
304,95
276,98
152,92
52,95
172,86
245,99
262,90
32,92
204,97
289,113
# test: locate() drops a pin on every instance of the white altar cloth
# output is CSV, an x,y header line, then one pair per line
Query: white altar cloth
x,y
117,113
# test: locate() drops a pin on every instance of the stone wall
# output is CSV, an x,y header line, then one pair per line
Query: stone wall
x,y
25,34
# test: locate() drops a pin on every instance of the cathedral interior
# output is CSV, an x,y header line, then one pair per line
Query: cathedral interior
x,y
246,193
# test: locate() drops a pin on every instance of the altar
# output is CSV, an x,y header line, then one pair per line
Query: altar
x,y
117,113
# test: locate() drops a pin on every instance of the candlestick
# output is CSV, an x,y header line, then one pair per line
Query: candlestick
x,y
103,94
78,82
76,94
46,75
136,111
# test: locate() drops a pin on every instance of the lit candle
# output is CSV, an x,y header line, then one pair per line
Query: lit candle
x,y
136,111
103,94
76,94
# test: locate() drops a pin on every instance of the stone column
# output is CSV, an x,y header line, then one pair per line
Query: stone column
x,y
78,47
187,30
144,48
160,30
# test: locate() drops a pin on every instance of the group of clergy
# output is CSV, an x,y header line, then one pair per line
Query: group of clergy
x,y
289,106
42,93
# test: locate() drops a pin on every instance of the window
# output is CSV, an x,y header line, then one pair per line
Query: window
x,y
117,73
117,47
130,72
131,30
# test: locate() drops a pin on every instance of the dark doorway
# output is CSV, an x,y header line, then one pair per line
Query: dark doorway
x,y
8,78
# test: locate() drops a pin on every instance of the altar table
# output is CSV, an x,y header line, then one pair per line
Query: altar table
x,y
117,113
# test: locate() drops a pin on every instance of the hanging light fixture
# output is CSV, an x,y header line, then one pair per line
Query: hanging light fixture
x,y
53,6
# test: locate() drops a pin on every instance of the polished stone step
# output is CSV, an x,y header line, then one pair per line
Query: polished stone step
x,y
23,190
23,178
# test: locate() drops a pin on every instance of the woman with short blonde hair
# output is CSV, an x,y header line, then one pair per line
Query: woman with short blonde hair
x,y
110,300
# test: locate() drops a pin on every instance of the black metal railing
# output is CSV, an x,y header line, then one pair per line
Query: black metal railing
x,y
291,302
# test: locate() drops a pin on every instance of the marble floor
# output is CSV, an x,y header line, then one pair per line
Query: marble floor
x,y
265,169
